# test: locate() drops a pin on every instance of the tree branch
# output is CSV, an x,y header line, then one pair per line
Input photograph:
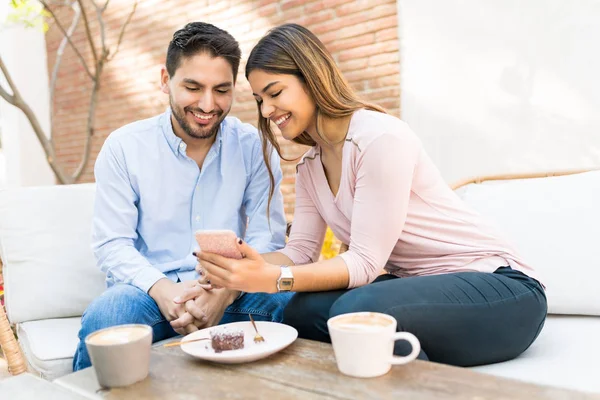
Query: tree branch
x,y
89,132
59,54
55,18
35,125
122,33
88,32
11,83
6,96
99,11
100,60
10,98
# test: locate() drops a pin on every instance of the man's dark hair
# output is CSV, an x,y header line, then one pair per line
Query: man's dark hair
x,y
199,37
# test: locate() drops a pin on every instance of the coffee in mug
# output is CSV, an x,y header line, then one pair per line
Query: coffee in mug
x,y
120,354
363,343
118,335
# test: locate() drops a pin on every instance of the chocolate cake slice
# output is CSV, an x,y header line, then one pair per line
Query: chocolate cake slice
x,y
223,339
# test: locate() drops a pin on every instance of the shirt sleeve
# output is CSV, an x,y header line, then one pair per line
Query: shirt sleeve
x,y
114,230
385,170
262,233
308,229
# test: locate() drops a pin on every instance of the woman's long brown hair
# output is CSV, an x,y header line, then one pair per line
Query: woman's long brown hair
x,y
292,49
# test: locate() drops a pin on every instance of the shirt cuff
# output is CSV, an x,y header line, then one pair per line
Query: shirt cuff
x,y
146,278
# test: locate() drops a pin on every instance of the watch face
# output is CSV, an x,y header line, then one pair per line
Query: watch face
x,y
286,283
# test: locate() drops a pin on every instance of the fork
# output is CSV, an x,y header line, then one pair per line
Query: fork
x,y
258,337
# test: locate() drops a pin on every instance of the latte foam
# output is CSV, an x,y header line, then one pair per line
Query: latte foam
x,y
118,335
362,323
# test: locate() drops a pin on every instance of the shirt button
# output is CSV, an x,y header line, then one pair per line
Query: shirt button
x,y
198,218
181,145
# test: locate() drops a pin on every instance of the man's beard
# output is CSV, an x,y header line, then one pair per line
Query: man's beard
x,y
200,133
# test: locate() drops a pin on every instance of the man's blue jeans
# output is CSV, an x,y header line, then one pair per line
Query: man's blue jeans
x,y
125,304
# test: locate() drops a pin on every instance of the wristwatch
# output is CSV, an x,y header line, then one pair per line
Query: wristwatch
x,y
285,283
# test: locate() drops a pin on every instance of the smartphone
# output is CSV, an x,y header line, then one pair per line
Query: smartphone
x,y
221,242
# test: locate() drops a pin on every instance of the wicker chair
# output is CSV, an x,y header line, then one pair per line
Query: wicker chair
x,y
10,347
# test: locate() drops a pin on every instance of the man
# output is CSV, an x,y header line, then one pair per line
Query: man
x,y
161,179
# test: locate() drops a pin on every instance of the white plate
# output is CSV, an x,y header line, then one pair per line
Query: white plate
x,y
277,337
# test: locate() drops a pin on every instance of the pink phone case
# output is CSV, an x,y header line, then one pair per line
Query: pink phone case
x,y
220,242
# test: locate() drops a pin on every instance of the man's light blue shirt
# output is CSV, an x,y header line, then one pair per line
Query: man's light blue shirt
x,y
151,198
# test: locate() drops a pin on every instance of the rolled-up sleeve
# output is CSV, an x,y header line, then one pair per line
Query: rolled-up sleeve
x,y
384,178
115,221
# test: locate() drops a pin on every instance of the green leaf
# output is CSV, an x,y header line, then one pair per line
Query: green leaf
x,y
28,13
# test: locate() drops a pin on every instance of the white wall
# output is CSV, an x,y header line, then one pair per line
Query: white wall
x,y
23,161
502,86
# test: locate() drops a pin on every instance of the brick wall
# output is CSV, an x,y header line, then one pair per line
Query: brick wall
x,y
362,36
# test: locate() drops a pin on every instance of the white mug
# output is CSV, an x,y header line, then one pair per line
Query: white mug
x,y
120,354
363,343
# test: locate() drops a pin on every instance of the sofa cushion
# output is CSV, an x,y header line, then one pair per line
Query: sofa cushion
x,y
555,225
50,345
45,244
566,354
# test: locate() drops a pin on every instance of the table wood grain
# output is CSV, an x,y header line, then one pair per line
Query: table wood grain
x,y
307,370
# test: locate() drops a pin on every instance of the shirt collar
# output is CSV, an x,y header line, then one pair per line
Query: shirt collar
x,y
176,144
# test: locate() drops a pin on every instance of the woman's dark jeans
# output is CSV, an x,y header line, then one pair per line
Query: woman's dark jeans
x,y
464,319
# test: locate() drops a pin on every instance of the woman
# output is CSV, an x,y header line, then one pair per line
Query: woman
x,y
416,251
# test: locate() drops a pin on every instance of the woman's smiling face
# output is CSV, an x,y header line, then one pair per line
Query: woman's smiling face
x,y
283,99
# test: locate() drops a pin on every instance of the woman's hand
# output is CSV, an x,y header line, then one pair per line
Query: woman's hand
x,y
250,274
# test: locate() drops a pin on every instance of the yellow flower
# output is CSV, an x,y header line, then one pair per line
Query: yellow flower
x,y
329,249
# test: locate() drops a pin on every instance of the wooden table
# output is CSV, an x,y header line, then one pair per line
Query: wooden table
x,y
307,370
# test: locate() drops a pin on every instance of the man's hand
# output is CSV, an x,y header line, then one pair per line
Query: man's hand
x,y
163,292
205,306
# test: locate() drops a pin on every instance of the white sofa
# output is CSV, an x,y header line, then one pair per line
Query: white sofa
x,y
554,223
50,272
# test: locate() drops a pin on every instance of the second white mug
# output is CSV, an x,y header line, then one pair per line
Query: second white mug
x,y
363,343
